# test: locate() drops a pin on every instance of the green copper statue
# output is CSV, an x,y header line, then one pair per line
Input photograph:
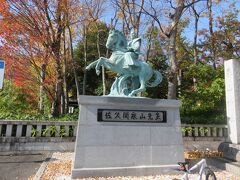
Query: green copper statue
x,y
133,51
133,74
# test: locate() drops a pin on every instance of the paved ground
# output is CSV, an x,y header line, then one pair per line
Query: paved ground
x,y
21,167
60,168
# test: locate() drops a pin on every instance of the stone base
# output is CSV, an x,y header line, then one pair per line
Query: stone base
x,y
123,171
230,151
126,148
231,160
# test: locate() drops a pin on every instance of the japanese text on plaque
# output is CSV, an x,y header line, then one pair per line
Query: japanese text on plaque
x,y
131,115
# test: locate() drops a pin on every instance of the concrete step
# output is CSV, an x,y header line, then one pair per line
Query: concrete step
x,y
225,164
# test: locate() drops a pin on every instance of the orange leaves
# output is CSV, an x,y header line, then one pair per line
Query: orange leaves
x,y
4,8
31,35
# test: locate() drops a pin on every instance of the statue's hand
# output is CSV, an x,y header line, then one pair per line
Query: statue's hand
x,y
97,71
88,67
130,49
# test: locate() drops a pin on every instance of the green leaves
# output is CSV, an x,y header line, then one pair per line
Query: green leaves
x,y
204,101
14,106
12,100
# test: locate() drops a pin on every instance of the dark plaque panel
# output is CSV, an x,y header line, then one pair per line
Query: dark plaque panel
x,y
117,115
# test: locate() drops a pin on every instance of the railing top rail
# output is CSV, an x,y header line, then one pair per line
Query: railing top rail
x,y
205,125
34,122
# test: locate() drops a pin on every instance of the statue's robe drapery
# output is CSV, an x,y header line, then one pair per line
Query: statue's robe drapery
x,y
131,56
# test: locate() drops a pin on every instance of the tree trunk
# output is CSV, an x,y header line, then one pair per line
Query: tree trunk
x,y
85,59
58,105
195,50
172,81
41,88
103,69
64,74
179,80
73,64
149,42
212,42
54,41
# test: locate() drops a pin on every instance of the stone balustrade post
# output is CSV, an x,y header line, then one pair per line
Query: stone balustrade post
x,y
39,130
9,130
66,130
58,131
220,132
208,131
19,130
214,131
48,129
75,131
196,131
202,131
29,131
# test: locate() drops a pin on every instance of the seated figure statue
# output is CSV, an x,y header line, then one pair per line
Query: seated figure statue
x,y
133,51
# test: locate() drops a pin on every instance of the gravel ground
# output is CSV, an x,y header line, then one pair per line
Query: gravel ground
x,y
59,168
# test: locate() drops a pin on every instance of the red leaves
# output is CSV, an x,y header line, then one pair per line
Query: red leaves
x,y
202,32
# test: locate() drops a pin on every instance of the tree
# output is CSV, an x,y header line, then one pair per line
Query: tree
x,y
40,25
196,21
212,40
169,33
204,103
92,11
130,12
156,57
225,38
93,33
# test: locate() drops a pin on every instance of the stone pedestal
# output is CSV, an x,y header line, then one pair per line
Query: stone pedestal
x,y
123,148
232,84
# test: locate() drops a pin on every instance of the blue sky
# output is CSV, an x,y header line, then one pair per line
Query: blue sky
x,y
218,10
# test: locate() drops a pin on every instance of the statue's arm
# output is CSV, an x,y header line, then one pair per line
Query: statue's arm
x,y
136,45
130,49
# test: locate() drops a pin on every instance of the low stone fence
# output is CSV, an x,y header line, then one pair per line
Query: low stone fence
x,y
12,128
27,135
201,136
24,128
201,130
19,136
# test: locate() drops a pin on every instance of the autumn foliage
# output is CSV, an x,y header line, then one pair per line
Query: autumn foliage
x,y
31,38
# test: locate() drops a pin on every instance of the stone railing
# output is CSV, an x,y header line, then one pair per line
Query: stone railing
x,y
200,130
18,136
13,128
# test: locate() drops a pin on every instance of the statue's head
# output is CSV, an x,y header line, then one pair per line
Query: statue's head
x,y
132,34
116,39
112,38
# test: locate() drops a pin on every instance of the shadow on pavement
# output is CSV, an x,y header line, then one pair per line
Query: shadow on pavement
x,y
21,167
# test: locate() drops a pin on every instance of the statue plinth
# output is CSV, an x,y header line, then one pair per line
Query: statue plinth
x,y
120,136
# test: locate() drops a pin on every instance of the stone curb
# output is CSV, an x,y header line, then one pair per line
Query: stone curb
x,y
42,168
